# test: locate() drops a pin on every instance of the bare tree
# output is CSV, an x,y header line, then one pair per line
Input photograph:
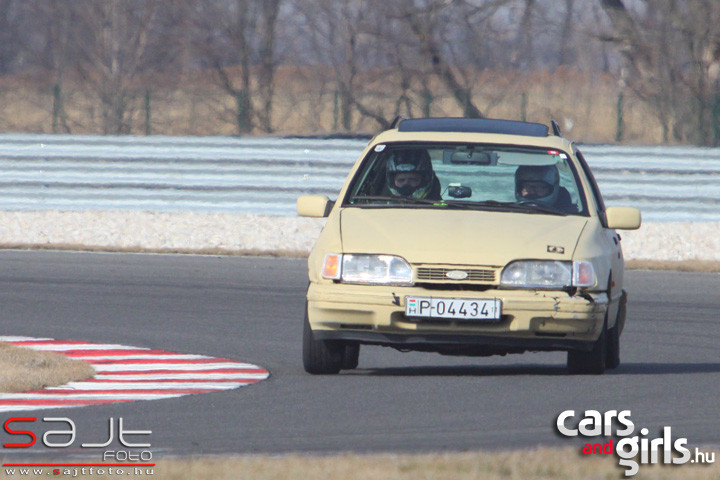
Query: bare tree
x,y
334,31
667,47
241,33
10,47
523,54
379,57
566,34
59,50
112,38
45,46
269,13
424,20
476,40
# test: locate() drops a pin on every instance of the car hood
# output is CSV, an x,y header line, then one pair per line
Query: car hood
x,y
459,237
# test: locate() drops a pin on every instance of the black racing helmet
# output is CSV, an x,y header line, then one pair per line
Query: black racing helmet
x,y
546,174
415,160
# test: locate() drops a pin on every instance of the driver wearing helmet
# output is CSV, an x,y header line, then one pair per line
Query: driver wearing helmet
x,y
541,184
410,174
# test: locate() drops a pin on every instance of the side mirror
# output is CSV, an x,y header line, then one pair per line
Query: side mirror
x,y
314,206
623,218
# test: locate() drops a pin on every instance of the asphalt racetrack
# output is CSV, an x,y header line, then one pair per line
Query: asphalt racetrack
x,y
250,309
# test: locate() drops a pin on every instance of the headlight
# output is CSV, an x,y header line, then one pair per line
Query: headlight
x,y
368,269
548,274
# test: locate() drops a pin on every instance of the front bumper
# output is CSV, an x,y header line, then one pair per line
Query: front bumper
x,y
531,319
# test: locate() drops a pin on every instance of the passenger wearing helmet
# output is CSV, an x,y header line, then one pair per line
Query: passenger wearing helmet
x,y
410,174
541,184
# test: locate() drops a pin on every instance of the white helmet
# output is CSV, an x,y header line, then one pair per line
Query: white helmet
x,y
415,160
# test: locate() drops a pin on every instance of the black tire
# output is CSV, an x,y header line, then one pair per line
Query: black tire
x,y
351,356
592,362
613,359
613,348
321,357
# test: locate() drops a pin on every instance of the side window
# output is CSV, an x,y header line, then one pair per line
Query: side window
x,y
593,186
370,179
569,184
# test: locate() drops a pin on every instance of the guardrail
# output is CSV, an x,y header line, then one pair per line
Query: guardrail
x,y
265,175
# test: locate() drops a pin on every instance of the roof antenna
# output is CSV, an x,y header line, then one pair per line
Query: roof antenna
x,y
397,121
555,128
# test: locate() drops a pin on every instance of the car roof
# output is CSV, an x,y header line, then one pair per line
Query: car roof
x,y
473,130
472,125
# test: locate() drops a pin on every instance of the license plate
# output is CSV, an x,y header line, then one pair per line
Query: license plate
x,y
462,308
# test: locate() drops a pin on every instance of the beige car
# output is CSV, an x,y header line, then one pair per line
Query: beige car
x,y
467,237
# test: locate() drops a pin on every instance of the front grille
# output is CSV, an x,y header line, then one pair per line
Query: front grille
x,y
439,274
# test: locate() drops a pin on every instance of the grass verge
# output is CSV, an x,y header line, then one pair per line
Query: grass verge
x,y
528,464
181,251
701,266
23,369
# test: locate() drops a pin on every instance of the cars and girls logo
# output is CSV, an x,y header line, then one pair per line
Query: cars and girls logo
x,y
632,447
132,458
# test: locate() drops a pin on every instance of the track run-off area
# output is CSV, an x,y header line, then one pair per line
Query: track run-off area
x,y
248,310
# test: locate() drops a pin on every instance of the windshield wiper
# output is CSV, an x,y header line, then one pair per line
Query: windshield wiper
x,y
529,207
483,205
398,199
473,204
504,206
535,207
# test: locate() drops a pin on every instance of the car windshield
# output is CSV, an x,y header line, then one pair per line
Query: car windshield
x,y
472,176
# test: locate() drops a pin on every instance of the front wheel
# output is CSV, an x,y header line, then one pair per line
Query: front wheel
x,y
351,356
592,362
613,348
613,352
321,357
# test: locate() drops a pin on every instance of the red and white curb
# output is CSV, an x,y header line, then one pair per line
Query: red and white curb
x,y
126,374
